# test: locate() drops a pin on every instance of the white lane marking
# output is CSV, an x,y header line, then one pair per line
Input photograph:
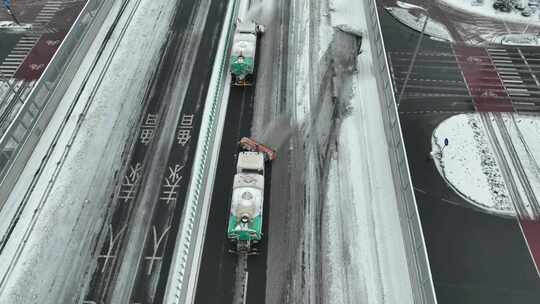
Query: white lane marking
x,y
497,50
525,103
245,288
512,80
420,190
508,68
509,73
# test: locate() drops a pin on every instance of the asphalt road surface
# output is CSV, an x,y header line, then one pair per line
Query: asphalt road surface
x,y
161,203
218,266
475,257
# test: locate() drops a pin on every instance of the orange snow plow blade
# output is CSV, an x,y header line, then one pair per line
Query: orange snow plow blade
x,y
251,145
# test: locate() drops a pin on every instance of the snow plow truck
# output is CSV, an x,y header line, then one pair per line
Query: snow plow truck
x,y
243,52
244,229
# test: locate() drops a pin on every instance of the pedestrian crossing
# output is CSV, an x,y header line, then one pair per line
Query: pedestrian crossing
x,y
15,58
10,64
518,71
510,71
435,82
48,12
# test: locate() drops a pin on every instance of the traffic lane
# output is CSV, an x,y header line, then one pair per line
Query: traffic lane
x,y
443,75
256,290
429,103
431,86
474,257
113,250
168,213
217,268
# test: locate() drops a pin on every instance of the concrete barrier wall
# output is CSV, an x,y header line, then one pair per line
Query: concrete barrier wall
x,y
24,132
417,259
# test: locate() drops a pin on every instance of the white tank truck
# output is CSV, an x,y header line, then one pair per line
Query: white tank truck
x,y
243,52
244,229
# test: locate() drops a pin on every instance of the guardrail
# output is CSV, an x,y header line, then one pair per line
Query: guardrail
x,y
24,132
179,288
417,259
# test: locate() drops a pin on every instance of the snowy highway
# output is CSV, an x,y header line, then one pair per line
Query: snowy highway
x,y
117,90
218,270
126,197
249,113
135,260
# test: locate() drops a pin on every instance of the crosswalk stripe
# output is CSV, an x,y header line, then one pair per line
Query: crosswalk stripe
x,y
510,77
519,94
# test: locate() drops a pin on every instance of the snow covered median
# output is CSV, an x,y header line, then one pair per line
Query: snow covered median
x,y
485,8
470,165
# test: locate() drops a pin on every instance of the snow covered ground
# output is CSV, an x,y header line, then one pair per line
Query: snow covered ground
x,y
523,130
485,8
351,248
470,164
47,254
4,88
529,126
464,21
364,258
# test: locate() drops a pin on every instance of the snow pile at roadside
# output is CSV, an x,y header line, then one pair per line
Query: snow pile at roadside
x,y
415,19
50,249
469,165
345,19
364,258
485,8
529,125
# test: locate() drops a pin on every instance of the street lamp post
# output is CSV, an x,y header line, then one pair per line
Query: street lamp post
x,y
413,58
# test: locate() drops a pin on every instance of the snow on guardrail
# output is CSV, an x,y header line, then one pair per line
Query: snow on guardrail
x,y
188,246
